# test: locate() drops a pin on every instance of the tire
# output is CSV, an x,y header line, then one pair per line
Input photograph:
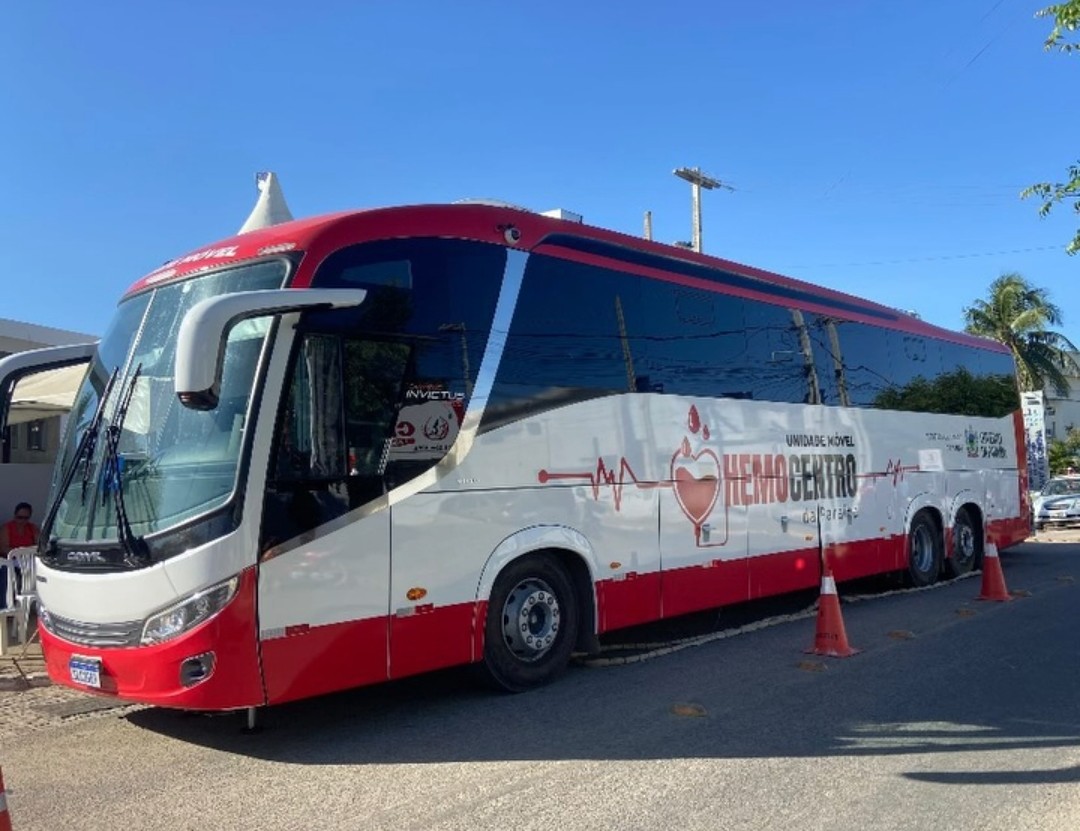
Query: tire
x,y
967,547
532,623
925,551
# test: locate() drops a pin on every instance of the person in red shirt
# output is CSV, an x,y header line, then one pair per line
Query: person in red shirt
x,y
16,533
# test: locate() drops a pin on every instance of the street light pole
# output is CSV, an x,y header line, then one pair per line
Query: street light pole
x,y
697,180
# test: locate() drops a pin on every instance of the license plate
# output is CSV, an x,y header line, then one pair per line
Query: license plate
x,y
1058,514
86,671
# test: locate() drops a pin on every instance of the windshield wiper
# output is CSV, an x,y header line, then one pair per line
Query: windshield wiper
x,y
88,444
85,450
136,551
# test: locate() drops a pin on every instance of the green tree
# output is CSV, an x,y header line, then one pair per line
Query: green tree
x,y
1064,453
1019,315
957,392
1059,456
1066,18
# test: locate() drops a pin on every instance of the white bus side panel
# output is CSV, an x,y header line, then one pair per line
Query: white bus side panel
x,y
327,596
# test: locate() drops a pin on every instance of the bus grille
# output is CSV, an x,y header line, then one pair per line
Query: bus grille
x,y
95,634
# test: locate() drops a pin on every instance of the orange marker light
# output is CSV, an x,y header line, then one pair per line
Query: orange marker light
x,y
416,593
614,565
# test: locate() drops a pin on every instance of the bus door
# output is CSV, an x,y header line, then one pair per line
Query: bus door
x,y
325,572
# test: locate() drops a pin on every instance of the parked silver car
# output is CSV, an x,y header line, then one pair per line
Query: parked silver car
x,y
1058,503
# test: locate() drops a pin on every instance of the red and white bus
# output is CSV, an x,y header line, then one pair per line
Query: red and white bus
x,y
358,447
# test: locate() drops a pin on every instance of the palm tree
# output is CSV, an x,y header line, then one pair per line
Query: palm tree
x,y
1017,314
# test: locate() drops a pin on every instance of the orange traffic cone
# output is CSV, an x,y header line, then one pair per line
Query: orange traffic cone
x,y
5,817
830,639
993,579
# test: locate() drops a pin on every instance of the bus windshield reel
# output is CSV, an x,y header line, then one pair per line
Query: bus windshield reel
x,y
189,613
204,331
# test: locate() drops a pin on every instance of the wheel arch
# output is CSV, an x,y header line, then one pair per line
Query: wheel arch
x,y
924,503
967,500
566,546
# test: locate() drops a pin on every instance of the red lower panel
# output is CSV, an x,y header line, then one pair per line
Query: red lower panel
x,y
1008,532
787,572
863,558
314,660
478,630
433,638
151,674
634,599
703,587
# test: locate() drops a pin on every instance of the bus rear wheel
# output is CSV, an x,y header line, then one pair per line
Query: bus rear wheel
x,y
925,550
532,623
966,545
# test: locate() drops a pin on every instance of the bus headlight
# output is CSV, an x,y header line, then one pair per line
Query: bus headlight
x,y
188,613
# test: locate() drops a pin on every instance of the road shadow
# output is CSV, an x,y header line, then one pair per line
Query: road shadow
x,y
1053,776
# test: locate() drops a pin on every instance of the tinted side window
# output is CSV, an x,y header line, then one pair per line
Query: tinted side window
x,y
442,291
570,340
865,363
310,442
779,343
913,358
828,359
691,342
977,382
694,342
900,371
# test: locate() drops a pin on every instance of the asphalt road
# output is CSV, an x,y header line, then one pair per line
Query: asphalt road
x,y
956,715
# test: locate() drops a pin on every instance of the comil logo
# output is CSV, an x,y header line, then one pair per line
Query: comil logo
x,y
85,557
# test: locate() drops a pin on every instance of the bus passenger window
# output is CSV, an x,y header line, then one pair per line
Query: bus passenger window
x,y
310,439
374,372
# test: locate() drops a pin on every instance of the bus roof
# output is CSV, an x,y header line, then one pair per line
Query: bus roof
x,y
319,236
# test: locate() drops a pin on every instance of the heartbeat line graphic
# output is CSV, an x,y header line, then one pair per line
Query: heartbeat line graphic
x,y
895,469
616,479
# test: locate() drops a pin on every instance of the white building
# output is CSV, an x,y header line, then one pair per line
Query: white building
x,y
1063,413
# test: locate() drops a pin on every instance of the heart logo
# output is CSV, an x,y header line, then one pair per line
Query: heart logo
x,y
696,482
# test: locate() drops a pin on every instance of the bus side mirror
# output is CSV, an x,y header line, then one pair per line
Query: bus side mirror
x,y
50,379
204,332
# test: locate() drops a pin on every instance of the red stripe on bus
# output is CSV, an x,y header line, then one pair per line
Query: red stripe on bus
x,y
627,602
326,659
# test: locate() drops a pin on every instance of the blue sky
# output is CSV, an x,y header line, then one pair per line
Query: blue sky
x,y
876,148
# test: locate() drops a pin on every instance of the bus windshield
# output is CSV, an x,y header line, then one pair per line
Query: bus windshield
x,y
165,462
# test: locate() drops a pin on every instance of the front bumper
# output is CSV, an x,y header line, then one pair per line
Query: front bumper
x,y
151,674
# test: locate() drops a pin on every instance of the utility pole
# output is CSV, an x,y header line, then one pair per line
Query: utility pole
x,y
698,180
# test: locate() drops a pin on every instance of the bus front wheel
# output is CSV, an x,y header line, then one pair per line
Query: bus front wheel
x,y
532,623
925,550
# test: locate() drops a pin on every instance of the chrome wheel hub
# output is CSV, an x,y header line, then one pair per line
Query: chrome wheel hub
x,y
530,619
922,549
965,543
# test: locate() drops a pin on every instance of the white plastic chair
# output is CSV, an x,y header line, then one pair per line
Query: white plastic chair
x,y
21,594
9,614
